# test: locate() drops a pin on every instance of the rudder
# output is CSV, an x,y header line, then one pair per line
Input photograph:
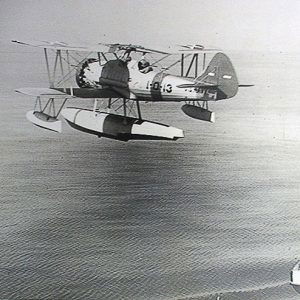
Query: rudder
x,y
220,73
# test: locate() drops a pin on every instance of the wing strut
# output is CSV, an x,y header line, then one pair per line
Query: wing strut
x,y
47,65
69,70
46,116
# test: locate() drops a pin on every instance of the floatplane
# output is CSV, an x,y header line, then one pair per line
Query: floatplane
x,y
108,73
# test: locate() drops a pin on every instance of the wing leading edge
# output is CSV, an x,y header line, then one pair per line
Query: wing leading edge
x,y
100,47
69,92
63,46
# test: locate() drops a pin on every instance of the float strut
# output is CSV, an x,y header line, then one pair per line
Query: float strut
x,y
125,111
138,110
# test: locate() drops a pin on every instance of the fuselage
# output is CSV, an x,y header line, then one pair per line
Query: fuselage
x,y
161,86
150,85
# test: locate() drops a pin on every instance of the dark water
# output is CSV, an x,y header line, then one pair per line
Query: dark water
x,y
216,213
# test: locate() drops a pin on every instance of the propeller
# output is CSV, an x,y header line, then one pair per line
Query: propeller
x,y
130,47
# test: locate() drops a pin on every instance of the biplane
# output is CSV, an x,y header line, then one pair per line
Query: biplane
x,y
111,74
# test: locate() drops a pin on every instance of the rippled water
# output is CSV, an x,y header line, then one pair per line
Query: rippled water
x,y
216,213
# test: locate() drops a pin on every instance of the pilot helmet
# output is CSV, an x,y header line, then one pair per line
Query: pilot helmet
x,y
143,63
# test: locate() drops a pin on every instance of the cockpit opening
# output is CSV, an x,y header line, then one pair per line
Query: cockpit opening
x,y
144,66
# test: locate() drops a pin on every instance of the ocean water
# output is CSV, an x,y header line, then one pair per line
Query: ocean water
x,y
214,214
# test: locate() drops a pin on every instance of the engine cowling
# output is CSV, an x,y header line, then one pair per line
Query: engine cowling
x,y
88,73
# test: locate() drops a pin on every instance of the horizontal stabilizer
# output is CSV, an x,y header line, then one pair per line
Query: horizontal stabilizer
x,y
197,85
246,85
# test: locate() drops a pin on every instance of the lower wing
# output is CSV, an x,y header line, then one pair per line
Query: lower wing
x,y
73,92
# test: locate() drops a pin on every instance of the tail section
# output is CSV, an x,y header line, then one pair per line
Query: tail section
x,y
220,74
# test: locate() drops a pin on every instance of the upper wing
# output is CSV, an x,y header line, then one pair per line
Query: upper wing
x,y
100,47
192,51
70,92
136,48
63,46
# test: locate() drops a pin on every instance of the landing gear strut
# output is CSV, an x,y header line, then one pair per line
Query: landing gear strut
x,y
126,105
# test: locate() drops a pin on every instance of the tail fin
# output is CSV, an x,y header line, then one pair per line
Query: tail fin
x,y
220,73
